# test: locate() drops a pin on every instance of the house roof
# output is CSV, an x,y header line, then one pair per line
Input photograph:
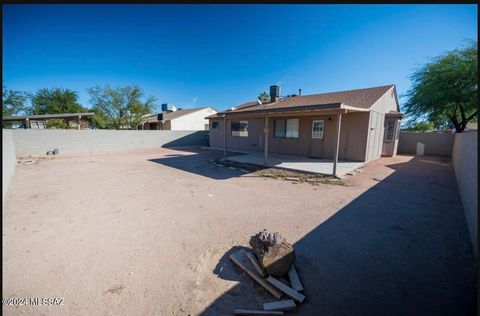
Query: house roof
x,y
395,114
361,99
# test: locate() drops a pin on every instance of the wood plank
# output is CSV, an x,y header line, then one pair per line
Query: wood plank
x,y
283,280
239,258
256,312
294,279
255,263
286,289
284,305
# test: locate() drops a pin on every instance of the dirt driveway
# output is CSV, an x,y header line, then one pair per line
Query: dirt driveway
x,y
147,232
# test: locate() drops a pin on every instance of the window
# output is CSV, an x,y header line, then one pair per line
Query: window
x,y
317,129
286,128
390,129
279,127
214,125
240,128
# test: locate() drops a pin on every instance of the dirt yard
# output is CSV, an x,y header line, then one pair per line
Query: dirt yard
x,y
148,232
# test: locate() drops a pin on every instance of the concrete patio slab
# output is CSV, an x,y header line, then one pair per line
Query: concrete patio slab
x,y
298,163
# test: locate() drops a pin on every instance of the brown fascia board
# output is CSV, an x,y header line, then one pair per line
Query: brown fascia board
x,y
333,106
354,108
291,110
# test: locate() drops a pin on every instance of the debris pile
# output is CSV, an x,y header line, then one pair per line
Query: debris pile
x,y
53,152
271,265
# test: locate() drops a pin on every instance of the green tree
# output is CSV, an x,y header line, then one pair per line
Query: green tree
x,y
56,123
13,102
263,96
446,87
55,101
119,107
99,120
422,126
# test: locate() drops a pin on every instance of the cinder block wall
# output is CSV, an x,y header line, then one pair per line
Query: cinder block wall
x,y
465,161
39,141
436,144
8,160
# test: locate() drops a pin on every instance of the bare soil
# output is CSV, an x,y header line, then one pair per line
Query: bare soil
x,y
148,232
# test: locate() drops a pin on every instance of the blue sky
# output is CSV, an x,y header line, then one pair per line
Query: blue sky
x,y
224,55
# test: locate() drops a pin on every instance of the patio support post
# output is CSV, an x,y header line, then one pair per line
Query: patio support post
x,y
224,137
79,119
337,143
265,147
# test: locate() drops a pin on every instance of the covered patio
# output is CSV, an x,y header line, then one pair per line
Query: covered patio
x,y
297,163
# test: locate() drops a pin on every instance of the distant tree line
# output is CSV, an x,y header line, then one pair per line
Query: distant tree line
x,y
114,108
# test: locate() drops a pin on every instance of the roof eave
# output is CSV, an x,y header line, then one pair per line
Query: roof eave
x,y
353,108
301,108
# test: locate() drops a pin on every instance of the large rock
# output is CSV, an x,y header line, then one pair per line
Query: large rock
x,y
274,253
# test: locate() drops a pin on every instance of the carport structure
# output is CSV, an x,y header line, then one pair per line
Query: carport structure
x,y
28,119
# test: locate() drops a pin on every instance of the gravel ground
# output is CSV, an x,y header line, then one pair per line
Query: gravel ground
x,y
148,232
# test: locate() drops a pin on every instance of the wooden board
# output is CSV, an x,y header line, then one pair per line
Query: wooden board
x,y
240,259
256,312
294,279
284,305
286,289
255,263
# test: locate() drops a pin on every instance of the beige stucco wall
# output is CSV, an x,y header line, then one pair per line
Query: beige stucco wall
x,y
465,164
433,143
39,141
352,141
9,160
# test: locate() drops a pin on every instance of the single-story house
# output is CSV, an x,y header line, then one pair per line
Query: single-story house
x,y
179,120
354,125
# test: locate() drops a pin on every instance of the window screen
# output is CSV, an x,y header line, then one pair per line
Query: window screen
x,y
292,128
240,128
317,129
286,128
214,124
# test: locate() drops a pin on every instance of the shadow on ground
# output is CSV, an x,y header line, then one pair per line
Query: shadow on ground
x,y
400,248
200,161
197,138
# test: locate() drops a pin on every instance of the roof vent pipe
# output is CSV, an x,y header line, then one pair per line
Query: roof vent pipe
x,y
274,93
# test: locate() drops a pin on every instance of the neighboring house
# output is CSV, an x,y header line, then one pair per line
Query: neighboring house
x,y
179,120
355,125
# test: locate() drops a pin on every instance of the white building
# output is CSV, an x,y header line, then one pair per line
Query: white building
x,y
179,120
